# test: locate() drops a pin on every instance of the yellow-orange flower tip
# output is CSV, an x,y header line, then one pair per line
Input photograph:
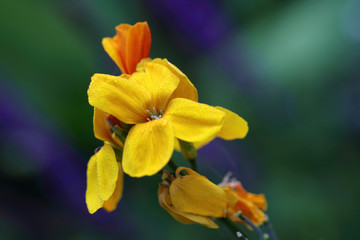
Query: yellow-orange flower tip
x,y
102,131
192,198
129,45
251,206
104,180
155,100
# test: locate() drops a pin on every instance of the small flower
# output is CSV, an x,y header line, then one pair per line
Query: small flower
x,y
104,173
248,204
129,45
156,101
194,199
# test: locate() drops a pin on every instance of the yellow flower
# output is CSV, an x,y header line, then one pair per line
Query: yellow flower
x,y
129,45
157,102
104,173
194,199
127,48
248,204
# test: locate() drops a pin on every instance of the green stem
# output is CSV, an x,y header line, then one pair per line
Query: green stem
x,y
270,230
256,229
234,228
189,153
193,165
172,165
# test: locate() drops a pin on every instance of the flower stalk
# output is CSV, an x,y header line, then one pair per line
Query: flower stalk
x,y
257,230
189,153
270,230
234,228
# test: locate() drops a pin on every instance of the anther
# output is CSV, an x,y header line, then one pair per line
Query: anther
x,y
150,113
154,111
154,114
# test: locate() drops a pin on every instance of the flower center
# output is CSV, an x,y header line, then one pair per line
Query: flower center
x,y
154,114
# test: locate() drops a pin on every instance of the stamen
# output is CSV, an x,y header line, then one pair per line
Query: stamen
x,y
154,114
150,113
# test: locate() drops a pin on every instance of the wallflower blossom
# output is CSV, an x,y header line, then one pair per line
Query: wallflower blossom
x,y
155,101
127,48
129,45
194,199
130,49
251,206
104,173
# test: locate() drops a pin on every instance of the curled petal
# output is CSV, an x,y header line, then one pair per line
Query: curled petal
x,y
181,216
197,195
193,121
148,148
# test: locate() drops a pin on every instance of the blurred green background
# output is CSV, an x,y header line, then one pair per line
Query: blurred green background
x,y
290,68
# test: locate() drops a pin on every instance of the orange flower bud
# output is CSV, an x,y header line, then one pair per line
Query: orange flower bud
x,y
248,204
129,45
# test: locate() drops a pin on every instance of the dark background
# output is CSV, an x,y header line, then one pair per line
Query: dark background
x,y
290,68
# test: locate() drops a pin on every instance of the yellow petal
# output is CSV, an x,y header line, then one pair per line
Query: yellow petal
x,y
101,128
160,83
148,148
102,174
107,170
181,216
111,204
234,126
93,200
120,97
197,195
193,121
140,67
231,196
185,88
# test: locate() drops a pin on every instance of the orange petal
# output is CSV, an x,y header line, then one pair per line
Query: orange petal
x,y
138,45
129,45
